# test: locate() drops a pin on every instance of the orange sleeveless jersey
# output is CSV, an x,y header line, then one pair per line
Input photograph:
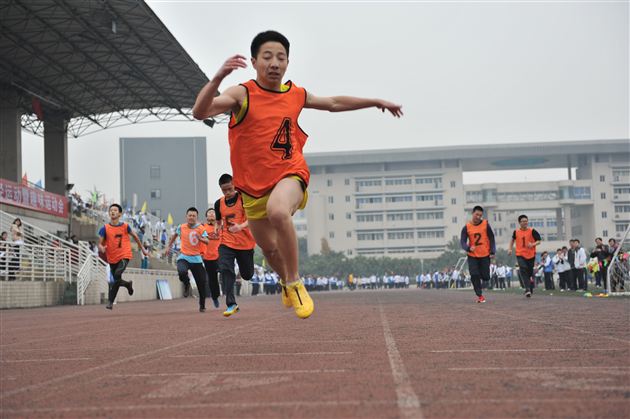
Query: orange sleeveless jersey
x,y
118,244
266,145
191,245
211,251
522,238
478,237
243,240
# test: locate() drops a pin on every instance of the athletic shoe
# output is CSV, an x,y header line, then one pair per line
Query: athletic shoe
x,y
481,299
202,309
301,301
109,306
561,290
231,310
286,301
186,289
215,301
130,287
528,294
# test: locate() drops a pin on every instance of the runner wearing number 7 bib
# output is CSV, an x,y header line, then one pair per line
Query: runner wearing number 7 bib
x,y
477,239
266,145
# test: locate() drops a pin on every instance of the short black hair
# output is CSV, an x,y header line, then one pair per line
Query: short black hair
x,y
520,217
208,210
599,238
477,208
268,36
558,249
117,206
225,178
612,240
192,209
564,248
576,240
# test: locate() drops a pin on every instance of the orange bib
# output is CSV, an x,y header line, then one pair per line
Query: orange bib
x,y
212,248
478,237
243,240
266,144
118,244
191,245
522,238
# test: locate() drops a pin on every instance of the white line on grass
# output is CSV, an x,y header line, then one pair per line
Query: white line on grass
x,y
408,403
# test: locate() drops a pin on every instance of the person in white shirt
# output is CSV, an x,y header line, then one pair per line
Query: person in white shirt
x,y
579,272
561,262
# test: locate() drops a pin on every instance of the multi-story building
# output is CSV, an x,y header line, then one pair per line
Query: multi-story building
x,y
412,202
169,174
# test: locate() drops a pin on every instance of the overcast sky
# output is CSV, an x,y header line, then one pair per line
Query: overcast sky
x,y
465,72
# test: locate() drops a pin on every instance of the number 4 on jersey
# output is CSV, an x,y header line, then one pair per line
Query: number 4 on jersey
x,y
282,140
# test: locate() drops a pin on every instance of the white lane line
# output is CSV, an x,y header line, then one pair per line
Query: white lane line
x,y
108,365
408,403
575,329
45,360
596,400
261,354
536,368
272,372
229,405
450,351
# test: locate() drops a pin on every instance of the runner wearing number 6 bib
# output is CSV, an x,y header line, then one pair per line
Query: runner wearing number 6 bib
x,y
477,239
266,145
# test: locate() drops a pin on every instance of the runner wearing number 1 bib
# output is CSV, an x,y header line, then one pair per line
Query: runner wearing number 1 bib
x,y
266,145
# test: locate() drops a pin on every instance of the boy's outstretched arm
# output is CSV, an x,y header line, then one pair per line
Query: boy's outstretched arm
x,y
350,103
208,103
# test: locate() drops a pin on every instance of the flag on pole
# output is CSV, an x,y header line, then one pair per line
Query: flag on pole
x,y
25,180
169,219
39,184
144,208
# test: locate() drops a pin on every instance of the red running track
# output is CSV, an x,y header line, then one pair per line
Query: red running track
x,y
378,354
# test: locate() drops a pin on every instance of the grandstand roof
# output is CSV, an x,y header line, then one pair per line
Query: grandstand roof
x,y
103,63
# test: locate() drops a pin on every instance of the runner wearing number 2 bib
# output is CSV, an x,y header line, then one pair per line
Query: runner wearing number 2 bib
x,y
266,145
477,239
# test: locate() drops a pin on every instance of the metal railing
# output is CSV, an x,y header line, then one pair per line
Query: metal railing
x,y
27,262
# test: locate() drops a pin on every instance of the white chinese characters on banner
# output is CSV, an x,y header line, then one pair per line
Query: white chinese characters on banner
x,y
23,196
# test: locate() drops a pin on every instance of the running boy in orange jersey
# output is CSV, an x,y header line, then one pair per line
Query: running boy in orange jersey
x,y
526,240
237,243
477,239
193,236
266,145
115,243
211,255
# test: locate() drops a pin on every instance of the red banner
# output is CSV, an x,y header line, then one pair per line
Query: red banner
x,y
34,199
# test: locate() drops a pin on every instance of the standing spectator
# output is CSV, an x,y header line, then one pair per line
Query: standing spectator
x,y
547,264
600,252
562,267
501,273
571,259
579,272
4,251
17,236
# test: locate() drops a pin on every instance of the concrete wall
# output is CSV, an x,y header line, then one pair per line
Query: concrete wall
x,y
24,294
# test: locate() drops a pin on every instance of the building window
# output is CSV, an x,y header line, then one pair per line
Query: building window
x,y
331,216
156,194
347,181
454,219
347,198
154,172
156,212
331,200
602,178
453,201
348,233
452,183
331,234
604,214
348,216
329,182
603,195
605,233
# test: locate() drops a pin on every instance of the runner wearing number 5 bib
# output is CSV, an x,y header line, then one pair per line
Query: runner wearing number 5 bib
x,y
266,145
477,239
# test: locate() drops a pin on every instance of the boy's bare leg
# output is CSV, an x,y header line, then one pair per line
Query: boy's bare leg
x,y
283,202
267,239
